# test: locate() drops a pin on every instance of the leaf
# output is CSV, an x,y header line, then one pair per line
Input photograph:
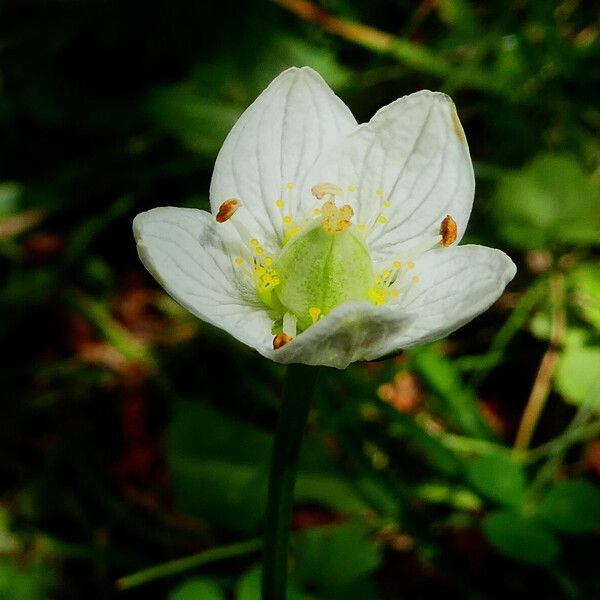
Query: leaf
x,y
551,201
334,557
520,538
572,506
31,582
196,588
219,469
199,123
10,195
585,280
498,477
248,586
577,374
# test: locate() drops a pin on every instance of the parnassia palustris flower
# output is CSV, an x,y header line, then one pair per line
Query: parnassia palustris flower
x,y
330,242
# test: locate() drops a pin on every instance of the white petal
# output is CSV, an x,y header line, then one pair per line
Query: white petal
x,y
352,331
271,147
183,251
455,285
414,155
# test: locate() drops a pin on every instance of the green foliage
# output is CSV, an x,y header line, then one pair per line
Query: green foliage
x,y
552,202
31,582
572,506
336,560
248,587
521,538
196,588
219,469
578,374
498,478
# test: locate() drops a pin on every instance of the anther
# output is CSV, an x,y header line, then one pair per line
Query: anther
x,y
280,340
322,189
377,296
448,231
227,209
336,219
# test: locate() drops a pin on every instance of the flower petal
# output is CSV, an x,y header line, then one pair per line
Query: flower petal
x,y
410,165
455,285
272,145
352,331
181,248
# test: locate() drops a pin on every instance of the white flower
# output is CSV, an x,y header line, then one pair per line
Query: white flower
x,y
340,238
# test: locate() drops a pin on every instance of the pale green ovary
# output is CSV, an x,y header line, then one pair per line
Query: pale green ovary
x,y
321,269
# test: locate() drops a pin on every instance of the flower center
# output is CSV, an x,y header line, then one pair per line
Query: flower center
x,y
323,267
323,262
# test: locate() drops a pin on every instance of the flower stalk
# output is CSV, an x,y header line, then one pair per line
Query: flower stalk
x,y
298,390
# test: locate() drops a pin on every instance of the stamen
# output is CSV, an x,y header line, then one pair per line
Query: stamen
x,y
289,324
227,209
315,313
381,219
280,340
448,231
336,219
322,189
279,204
254,242
239,261
377,296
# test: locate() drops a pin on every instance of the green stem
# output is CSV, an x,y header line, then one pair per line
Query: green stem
x,y
174,567
568,438
298,389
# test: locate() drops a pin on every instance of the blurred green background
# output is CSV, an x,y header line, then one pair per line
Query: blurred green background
x,y
465,469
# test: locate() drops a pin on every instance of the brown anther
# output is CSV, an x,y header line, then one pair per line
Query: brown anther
x,y
227,209
322,189
280,340
448,231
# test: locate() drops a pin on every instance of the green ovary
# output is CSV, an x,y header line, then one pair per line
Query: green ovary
x,y
321,269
